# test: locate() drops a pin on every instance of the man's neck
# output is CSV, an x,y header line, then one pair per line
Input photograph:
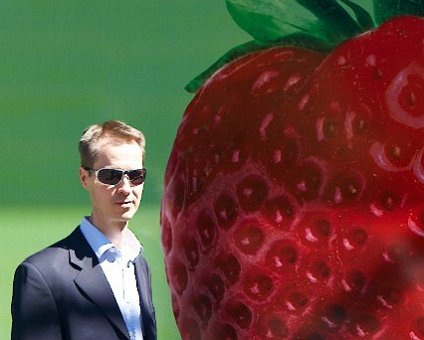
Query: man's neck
x,y
115,232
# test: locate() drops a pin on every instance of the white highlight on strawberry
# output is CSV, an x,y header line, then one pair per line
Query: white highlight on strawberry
x,y
387,258
263,79
415,228
378,153
277,262
245,241
311,278
247,192
342,60
360,331
394,92
290,306
264,125
418,166
346,287
414,337
303,101
278,156
371,60
278,216
235,158
384,302
376,211
320,129
328,322
293,80
309,236
254,289
338,197
348,246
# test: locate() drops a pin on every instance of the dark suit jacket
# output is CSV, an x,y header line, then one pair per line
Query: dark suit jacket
x,y
62,293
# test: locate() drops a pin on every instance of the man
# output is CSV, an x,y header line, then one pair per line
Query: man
x,y
94,284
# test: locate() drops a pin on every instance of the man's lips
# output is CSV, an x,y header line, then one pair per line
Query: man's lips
x,y
124,202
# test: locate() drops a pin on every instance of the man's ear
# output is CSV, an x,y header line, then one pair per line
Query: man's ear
x,y
84,176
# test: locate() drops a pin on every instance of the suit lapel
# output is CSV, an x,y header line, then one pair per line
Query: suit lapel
x,y
142,275
92,281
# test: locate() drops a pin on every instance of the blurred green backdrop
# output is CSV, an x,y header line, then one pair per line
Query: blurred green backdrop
x,y
67,64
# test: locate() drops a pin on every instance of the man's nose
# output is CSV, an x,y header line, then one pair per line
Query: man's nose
x,y
125,185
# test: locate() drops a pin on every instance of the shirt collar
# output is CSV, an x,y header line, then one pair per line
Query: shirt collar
x,y
102,246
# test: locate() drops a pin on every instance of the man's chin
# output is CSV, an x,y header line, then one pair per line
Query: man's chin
x,y
126,216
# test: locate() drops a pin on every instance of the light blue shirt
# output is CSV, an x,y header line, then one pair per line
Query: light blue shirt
x,y
118,267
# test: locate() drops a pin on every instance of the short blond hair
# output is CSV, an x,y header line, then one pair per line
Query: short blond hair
x,y
119,131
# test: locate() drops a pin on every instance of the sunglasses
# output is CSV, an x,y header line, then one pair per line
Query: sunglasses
x,y
114,176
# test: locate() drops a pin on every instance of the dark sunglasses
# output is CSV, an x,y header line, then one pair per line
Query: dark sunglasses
x,y
114,176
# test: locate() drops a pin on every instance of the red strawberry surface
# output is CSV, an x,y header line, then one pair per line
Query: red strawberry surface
x,y
294,195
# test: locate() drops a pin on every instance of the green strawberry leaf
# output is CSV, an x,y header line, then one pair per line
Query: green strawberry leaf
x,y
335,18
385,9
270,20
297,40
363,18
323,19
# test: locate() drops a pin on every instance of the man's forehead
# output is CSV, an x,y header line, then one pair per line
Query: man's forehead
x,y
114,141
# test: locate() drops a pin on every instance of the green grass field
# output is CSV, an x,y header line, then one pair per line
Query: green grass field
x,y
28,229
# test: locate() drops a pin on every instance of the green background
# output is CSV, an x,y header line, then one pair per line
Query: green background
x,y
67,64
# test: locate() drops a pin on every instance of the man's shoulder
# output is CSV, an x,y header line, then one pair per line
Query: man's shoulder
x,y
56,252
53,265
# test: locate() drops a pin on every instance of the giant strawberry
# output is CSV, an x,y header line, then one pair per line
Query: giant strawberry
x,y
294,195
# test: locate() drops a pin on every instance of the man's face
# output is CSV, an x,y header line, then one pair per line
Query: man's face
x,y
114,204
